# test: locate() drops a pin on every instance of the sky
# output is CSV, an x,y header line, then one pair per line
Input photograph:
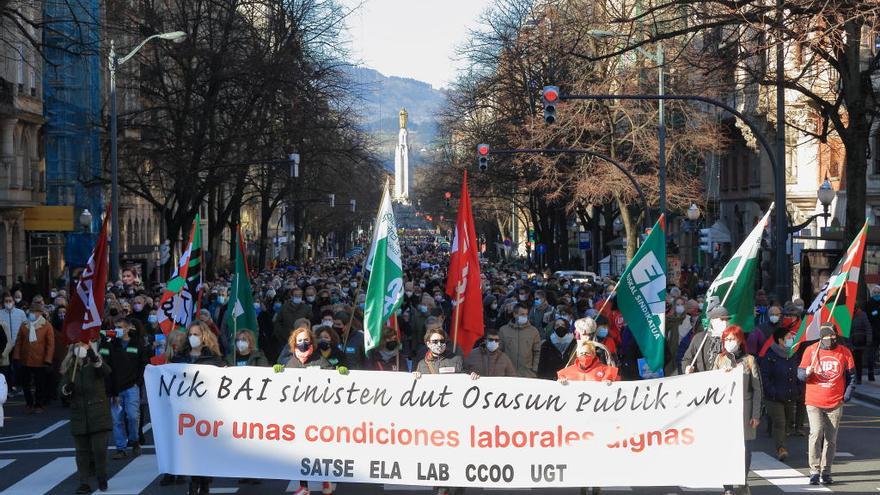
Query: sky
x,y
412,38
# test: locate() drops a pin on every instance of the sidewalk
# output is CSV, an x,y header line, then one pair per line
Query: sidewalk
x,y
868,392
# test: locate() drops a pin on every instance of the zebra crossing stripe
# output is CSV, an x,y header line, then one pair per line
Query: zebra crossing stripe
x,y
782,476
135,477
5,462
44,479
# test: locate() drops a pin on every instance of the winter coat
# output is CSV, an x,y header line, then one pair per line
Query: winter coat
x,y
255,358
538,315
755,340
39,353
872,308
4,391
485,363
286,318
860,334
89,407
522,344
13,320
127,360
551,360
6,344
753,392
316,360
445,362
706,359
779,375
207,357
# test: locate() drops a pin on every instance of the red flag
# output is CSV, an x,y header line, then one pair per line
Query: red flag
x,y
463,282
83,320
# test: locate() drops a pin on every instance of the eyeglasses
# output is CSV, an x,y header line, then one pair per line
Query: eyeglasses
x,y
442,341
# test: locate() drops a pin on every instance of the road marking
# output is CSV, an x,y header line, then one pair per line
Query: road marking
x,y
5,462
148,427
35,436
44,479
782,476
224,490
135,477
843,454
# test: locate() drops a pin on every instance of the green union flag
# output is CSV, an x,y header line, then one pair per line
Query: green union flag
x,y
734,287
641,295
385,288
240,314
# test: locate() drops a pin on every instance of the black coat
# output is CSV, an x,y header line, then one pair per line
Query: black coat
x,y
552,360
207,357
126,361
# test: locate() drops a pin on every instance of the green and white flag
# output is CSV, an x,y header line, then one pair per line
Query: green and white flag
x,y
240,313
641,295
385,288
734,287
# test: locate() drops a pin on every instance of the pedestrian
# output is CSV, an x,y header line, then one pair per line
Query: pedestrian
x,y
4,393
34,350
328,346
872,308
11,318
781,386
829,372
706,345
291,311
861,342
522,343
83,385
488,359
386,356
732,355
556,350
124,351
200,347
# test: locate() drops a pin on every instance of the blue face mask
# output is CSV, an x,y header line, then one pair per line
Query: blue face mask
x,y
603,332
876,297
32,317
276,307
152,319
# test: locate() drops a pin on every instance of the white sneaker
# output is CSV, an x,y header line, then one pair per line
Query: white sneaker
x,y
303,490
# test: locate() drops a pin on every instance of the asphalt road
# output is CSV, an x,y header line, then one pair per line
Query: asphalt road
x,y
36,457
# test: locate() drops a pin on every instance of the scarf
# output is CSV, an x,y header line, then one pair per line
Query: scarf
x,y
32,328
304,356
387,355
714,346
561,343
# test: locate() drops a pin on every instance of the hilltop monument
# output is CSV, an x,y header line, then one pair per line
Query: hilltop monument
x,y
401,163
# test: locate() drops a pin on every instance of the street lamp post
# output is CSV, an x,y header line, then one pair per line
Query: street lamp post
x,y
114,63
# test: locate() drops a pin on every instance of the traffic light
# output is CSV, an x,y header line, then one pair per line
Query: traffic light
x,y
483,157
550,96
446,197
706,240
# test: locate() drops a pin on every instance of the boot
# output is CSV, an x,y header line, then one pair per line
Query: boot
x,y
193,488
205,487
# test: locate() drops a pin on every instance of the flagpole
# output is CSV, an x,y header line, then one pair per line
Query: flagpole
x,y
456,319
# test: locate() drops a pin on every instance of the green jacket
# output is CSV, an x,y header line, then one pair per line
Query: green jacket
x,y
89,406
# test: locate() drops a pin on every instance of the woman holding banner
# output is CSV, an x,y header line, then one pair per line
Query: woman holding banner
x,y
733,354
82,383
386,357
200,347
246,352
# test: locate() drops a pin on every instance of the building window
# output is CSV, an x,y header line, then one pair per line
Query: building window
x,y
791,162
20,66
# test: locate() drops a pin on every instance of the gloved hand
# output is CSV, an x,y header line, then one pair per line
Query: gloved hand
x,y
67,390
342,370
278,368
847,395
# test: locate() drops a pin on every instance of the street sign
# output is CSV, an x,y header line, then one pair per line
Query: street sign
x,y
541,248
584,241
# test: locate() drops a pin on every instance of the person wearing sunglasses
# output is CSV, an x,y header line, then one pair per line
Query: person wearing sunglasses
x,y
439,359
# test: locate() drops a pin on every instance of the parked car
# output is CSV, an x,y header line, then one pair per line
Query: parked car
x,y
577,276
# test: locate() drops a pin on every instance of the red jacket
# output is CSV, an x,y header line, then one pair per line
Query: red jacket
x,y
597,372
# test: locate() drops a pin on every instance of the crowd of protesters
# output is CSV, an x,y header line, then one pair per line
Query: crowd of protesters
x,y
311,315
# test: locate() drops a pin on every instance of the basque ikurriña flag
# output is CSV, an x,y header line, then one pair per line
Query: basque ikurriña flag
x,y
83,321
641,295
178,303
835,302
463,279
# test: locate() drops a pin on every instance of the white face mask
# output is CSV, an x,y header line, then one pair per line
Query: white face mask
x,y
491,346
242,346
195,341
9,306
679,309
80,352
718,326
521,320
731,347
788,343
774,318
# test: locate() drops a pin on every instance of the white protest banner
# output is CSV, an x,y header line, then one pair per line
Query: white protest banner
x,y
446,430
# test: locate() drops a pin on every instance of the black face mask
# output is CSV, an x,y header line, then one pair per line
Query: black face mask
x,y
828,344
561,331
391,345
324,345
303,346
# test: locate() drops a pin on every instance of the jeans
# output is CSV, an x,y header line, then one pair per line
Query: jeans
x,y
91,455
823,437
126,415
781,416
40,396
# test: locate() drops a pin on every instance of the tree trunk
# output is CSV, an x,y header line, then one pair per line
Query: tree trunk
x,y
631,229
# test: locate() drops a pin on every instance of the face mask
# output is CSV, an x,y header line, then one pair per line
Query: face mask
x,y
327,323
537,302
152,319
297,300
138,308
679,309
788,343
81,352
323,345
774,318
438,298
828,343
242,346
32,317
17,299
9,306
523,297
560,331
731,347
310,299
408,293
437,349
53,294
876,297
494,306
422,285
492,345
221,300
586,361
718,326
120,332
303,346
521,320
195,341
603,332
423,308
61,316
276,307
391,345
